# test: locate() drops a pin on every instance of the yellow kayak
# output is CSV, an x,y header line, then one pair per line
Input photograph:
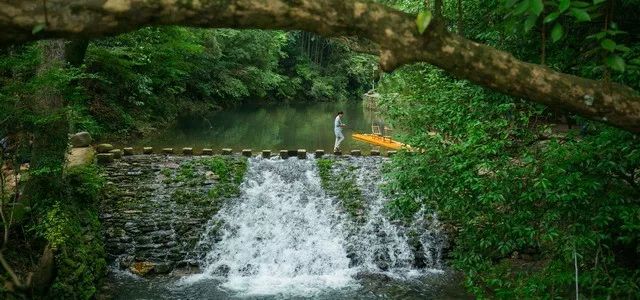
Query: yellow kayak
x,y
379,140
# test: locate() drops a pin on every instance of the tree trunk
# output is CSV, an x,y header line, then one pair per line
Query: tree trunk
x,y
394,31
49,133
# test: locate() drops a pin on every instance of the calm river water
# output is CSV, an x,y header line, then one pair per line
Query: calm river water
x,y
301,126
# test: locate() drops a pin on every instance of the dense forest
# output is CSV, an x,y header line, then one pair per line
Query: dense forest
x,y
537,201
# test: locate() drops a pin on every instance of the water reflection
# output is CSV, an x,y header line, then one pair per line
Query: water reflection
x,y
301,126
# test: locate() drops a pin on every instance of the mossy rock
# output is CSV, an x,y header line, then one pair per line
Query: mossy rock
x,y
104,148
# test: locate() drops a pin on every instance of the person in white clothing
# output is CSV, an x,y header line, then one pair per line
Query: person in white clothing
x,y
337,129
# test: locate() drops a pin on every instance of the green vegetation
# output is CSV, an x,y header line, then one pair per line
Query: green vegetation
x,y
230,172
529,198
129,84
71,230
531,193
342,185
226,172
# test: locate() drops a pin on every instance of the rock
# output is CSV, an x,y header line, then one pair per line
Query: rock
x,y
80,139
284,154
207,151
167,150
128,150
104,158
117,153
356,153
319,153
163,268
227,151
104,148
246,152
211,176
147,150
391,153
302,154
141,268
375,153
187,151
266,153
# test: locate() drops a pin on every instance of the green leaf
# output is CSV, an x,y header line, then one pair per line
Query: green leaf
x,y
536,7
580,14
616,63
557,32
622,48
530,22
564,5
580,4
608,44
423,20
551,17
522,7
596,2
38,28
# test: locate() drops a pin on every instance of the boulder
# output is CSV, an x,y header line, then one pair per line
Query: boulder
x,y
81,139
104,148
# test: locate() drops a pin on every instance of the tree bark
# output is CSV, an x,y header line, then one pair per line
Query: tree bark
x,y
394,31
49,133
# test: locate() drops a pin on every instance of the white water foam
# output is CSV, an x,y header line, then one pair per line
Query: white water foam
x,y
285,236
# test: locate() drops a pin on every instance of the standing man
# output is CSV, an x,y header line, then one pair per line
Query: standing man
x,y
337,129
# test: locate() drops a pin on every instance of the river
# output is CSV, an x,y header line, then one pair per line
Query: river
x,y
300,126
284,236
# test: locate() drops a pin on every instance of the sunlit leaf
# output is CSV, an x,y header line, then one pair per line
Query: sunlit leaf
x,y
423,20
564,5
580,14
616,63
557,32
551,17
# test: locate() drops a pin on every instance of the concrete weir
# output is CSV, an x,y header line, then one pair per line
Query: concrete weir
x,y
110,155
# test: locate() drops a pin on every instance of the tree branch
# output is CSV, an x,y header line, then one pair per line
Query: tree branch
x,y
394,31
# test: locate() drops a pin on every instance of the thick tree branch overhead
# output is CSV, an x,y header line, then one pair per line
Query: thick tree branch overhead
x,y
394,31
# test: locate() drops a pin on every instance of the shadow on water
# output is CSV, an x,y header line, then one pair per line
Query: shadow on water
x,y
300,126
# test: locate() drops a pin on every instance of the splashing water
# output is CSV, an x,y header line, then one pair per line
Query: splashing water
x,y
285,235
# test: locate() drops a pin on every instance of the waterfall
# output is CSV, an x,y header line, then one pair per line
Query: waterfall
x,y
285,235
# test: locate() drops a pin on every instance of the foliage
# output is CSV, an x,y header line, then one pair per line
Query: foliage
x,y
155,74
342,185
230,171
522,197
72,229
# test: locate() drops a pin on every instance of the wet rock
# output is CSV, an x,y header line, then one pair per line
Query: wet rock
x,y
117,153
163,267
104,158
141,268
80,140
104,148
